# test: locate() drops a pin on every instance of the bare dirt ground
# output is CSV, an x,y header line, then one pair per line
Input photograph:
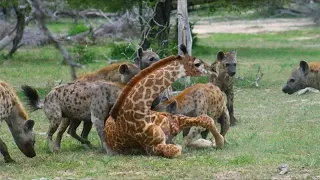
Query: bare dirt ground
x,y
252,26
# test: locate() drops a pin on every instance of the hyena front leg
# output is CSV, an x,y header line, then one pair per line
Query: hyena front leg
x,y
98,117
230,95
4,151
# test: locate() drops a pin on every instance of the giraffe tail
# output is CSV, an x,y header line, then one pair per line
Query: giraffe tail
x,y
33,99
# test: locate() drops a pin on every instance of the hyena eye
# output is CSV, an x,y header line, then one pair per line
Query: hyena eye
x,y
227,64
291,80
152,59
197,64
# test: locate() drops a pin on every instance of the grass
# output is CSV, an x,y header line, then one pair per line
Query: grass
x,y
273,128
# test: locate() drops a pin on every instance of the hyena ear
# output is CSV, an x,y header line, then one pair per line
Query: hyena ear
x,y
171,108
220,56
183,48
28,125
304,66
140,52
124,69
234,52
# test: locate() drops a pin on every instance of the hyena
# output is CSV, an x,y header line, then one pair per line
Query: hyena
x,y
117,72
225,69
13,113
145,58
305,77
121,72
194,101
77,101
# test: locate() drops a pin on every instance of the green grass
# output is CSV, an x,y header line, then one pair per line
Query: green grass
x,y
273,128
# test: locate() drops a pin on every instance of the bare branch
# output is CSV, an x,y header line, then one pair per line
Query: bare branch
x,y
40,17
259,76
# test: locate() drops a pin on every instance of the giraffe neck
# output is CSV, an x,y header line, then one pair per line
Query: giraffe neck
x,y
138,101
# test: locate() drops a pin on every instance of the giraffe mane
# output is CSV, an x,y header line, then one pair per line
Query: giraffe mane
x,y
136,79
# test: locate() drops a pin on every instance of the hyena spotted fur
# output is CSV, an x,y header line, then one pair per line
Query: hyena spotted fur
x,y
305,77
225,70
13,113
195,101
77,101
121,72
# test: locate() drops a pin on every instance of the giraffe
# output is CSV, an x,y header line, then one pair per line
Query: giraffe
x,y
133,128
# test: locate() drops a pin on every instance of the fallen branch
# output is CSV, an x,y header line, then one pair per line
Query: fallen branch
x,y
40,17
259,76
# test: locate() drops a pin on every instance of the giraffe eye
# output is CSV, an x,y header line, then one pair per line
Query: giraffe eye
x,y
197,64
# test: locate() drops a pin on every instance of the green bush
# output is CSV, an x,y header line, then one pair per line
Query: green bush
x,y
82,54
122,51
77,28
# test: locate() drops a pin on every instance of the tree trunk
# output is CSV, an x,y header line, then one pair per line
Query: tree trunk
x,y
158,26
19,30
184,31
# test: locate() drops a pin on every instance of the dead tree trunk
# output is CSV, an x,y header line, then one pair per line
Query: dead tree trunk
x,y
158,26
19,30
184,31
40,17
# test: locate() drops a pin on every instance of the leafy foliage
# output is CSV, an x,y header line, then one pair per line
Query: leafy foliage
x,y
83,54
122,50
77,28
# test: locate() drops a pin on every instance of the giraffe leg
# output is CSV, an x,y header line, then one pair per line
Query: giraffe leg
x,y
200,143
203,121
166,150
4,151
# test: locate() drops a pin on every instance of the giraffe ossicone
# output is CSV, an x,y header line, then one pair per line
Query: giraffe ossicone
x,y
133,128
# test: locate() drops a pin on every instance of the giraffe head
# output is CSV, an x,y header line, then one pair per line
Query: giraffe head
x,y
192,66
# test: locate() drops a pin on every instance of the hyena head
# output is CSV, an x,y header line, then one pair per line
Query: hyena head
x,y
145,58
227,62
167,106
298,79
24,138
127,71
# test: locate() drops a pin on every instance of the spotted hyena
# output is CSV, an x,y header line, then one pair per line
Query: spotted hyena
x,y
194,101
225,69
13,113
305,77
121,72
77,101
145,58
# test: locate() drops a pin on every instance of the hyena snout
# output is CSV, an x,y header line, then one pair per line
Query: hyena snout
x,y
287,89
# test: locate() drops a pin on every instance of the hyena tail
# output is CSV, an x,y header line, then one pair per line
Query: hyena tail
x,y
33,98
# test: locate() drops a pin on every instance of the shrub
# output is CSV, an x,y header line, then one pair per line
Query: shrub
x,y
122,51
77,28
